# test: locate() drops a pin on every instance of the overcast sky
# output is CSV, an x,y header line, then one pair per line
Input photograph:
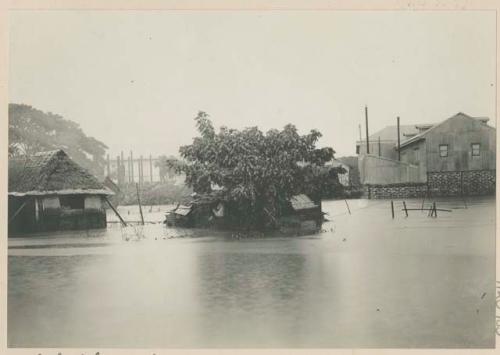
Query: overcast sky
x,y
135,80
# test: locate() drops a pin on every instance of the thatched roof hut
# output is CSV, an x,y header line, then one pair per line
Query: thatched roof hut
x,y
49,191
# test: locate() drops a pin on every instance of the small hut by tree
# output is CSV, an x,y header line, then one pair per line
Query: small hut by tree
x,y
48,191
257,174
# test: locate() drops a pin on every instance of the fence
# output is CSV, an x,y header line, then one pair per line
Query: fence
x,y
441,183
461,183
380,170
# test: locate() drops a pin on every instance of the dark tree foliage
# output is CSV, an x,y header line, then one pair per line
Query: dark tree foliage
x,y
31,131
258,172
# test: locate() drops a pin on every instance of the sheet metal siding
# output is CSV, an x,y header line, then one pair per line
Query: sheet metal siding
x,y
416,155
459,134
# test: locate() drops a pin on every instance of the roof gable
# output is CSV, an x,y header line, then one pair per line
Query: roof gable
x,y
459,115
51,173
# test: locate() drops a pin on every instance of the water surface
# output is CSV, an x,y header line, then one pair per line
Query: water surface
x,y
366,281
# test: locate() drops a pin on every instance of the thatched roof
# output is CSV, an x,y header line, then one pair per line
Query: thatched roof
x,y
49,173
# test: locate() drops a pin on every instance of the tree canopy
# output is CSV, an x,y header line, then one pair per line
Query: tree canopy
x,y
31,131
257,172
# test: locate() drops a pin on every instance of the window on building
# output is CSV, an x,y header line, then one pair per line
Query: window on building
x,y
72,202
476,148
443,150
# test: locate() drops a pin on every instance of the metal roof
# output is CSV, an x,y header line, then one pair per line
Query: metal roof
x,y
302,202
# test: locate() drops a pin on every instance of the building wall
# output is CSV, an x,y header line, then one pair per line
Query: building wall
x,y
387,149
416,155
379,170
459,133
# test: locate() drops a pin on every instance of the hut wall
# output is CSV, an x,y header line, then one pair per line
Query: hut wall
x,y
25,221
54,213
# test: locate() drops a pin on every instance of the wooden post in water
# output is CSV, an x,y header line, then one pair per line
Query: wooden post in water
x,y
348,209
406,211
435,210
392,208
116,212
139,201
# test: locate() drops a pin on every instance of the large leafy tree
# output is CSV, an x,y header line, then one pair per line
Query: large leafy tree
x,y
31,131
258,172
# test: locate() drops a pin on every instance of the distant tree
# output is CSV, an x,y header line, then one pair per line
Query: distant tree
x,y
31,131
258,172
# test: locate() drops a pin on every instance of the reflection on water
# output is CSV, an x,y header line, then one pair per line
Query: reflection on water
x,y
368,281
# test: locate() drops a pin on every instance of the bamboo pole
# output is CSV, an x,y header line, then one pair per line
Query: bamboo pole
x,y
139,201
17,211
348,209
115,211
418,209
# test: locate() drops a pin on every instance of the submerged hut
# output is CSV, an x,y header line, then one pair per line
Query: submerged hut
x,y
48,191
301,214
203,211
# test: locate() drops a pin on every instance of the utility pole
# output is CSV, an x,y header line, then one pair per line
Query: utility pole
x,y
132,166
367,138
122,162
141,175
151,167
118,171
108,165
399,142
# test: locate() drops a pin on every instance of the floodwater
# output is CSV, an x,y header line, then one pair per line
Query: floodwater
x,y
367,281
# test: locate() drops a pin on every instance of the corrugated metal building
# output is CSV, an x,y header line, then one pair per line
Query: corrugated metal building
x,y
460,143
456,156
